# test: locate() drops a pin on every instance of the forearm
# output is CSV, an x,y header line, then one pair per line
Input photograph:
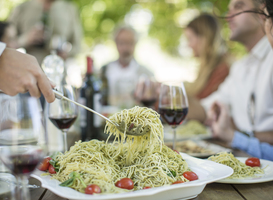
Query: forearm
x,y
252,146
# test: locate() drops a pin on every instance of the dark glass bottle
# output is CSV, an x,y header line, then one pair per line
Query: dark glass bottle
x,y
90,96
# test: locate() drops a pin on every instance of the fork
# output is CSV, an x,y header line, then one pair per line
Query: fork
x,y
132,130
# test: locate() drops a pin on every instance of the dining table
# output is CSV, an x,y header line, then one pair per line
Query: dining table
x,y
212,191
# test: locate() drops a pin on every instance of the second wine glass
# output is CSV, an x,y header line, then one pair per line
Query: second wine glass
x,y
63,113
146,91
173,105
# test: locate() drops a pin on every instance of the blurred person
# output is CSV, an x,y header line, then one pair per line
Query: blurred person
x,y
204,38
120,77
222,127
43,25
250,79
20,73
8,34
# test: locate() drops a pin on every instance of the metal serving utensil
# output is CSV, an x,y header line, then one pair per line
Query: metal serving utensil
x,y
132,130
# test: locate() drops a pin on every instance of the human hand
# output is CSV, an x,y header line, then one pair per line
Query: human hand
x,y
20,73
221,125
212,114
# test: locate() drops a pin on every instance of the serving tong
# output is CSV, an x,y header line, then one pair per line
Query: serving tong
x,y
132,130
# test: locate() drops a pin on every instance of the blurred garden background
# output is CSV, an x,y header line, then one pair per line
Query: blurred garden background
x,y
162,46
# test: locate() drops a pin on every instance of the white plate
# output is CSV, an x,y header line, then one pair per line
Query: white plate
x,y
214,148
267,176
207,172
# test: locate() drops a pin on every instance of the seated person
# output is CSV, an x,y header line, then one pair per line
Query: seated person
x,y
250,78
120,77
203,35
256,144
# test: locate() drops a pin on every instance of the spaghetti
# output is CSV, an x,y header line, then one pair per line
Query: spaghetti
x,y
144,159
241,170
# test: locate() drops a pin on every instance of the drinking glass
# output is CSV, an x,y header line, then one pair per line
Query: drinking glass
x,y
23,140
63,113
173,104
146,91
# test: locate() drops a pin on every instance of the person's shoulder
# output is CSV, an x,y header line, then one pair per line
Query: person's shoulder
x,y
106,66
239,64
143,69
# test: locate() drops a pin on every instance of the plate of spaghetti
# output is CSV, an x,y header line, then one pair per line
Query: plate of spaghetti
x,y
155,170
244,174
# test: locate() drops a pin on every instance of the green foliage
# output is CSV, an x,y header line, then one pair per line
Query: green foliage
x,y
99,18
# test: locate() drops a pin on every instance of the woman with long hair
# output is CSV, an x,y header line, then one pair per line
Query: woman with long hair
x,y
203,35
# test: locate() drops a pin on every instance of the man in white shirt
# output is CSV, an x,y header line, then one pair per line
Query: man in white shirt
x,y
20,73
247,91
120,77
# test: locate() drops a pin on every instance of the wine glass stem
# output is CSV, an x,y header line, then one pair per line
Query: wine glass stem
x,y
65,140
22,192
174,138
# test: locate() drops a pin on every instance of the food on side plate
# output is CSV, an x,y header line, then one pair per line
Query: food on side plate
x,y
192,127
241,170
190,147
129,163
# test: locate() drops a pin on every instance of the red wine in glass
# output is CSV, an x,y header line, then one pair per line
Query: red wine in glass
x,y
23,163
173,116
63,122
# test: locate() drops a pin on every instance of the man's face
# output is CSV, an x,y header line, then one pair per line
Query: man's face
x,y
125,44
245,23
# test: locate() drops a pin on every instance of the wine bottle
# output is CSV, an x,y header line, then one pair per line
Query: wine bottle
x,y
90,96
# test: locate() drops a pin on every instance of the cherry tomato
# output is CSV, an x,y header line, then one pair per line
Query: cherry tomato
x,y
253,162
191,176
177,182
91,189
51,169
125,183
176,151
146,187
44,165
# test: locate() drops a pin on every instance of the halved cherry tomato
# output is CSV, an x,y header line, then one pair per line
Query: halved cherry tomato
x,y
91,189
253,162
146,187
51,169
177,182
44,165
176,151
125,183
191,176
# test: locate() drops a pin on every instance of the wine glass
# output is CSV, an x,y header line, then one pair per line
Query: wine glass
x,y
63,113
173,104
146,90
23,140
